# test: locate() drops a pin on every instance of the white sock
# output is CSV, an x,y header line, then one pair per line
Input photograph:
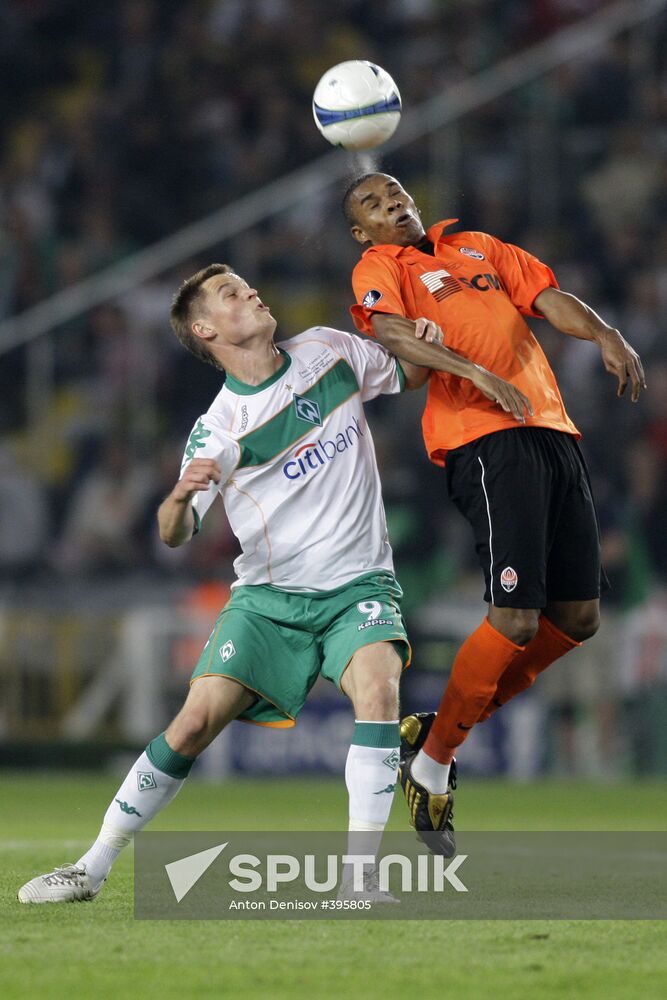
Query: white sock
x,y
430,773
144,792
363,839
370,776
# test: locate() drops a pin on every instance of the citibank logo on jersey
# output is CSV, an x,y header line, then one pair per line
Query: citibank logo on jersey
x,y
311,456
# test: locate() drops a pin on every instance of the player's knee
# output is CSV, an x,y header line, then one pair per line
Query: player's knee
x,y
189,732
585,624
517,624
377,699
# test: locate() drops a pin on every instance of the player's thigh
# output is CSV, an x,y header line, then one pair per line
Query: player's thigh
x,y
208,708
365,627
267,654
503,486
574,568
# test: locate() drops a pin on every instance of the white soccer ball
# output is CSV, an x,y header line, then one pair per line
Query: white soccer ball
x,y
356,105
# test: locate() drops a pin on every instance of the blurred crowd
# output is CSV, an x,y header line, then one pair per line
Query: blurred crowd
x,y
122,122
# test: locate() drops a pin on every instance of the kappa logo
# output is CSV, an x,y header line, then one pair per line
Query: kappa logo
x,y
374,621
227,651
441,284
196,439
127,809
509,579
392,760
371,298
469,252
244,418
145,780
308,410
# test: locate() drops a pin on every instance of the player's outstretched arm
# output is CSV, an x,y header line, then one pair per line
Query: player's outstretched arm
x,y
175,516
399,335
416,375
573,317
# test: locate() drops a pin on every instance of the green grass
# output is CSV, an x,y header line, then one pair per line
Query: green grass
x,y
99,950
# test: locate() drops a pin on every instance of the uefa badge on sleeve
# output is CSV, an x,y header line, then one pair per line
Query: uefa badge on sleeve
x,y
371,298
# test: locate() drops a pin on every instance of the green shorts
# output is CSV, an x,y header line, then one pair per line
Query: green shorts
x,y
277,643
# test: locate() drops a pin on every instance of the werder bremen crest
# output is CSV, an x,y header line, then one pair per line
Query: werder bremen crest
x,y
308,410
145,780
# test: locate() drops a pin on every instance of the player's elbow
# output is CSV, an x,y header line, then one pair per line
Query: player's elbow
x,y
168,538
173,537
172,534
171,540
415,377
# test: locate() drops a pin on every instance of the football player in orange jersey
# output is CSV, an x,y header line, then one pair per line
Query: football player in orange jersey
x,y
516,473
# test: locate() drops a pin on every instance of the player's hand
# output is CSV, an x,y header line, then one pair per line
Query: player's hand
x,y
622,361
503,393
426,329
199,474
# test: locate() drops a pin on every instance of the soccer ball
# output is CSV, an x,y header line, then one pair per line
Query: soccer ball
x,y
356,105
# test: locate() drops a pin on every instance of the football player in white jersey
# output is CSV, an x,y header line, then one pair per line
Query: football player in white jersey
x,y
286,445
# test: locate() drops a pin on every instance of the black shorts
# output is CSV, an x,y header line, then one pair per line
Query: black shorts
x,y
527,495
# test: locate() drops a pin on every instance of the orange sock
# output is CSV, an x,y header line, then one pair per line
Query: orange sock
x,y
479,664
547,645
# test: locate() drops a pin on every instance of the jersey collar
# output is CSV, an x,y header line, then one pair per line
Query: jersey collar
x,y
392,250
243,389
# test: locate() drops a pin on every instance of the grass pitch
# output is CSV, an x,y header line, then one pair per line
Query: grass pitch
x,y
99,950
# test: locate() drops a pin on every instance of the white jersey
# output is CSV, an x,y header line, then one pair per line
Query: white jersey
x,y
299,480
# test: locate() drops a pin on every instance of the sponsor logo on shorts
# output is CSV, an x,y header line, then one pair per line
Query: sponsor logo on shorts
x,y
371,297
469,252
509,579
145,780
374,621
392,760
390,788
307,409
227,651
313,455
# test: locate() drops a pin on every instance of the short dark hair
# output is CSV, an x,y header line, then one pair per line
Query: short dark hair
x,y
182,309
349,191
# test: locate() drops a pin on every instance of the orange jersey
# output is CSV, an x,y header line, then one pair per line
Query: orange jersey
x,y
475,287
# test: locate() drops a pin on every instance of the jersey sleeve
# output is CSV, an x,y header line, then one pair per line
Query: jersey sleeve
x,y
377,288
208,440
376,370
522,274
